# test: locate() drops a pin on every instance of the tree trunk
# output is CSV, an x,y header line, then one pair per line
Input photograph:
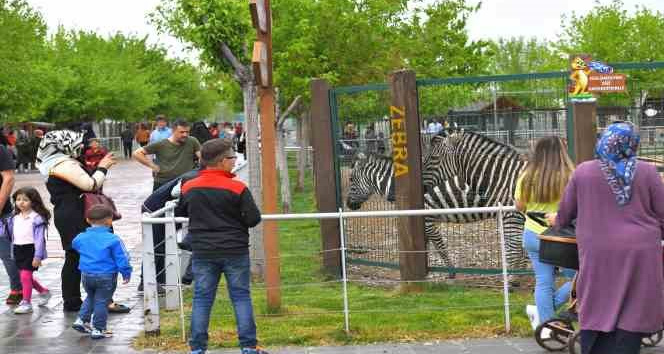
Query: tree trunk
x,y
282,163
303,142
253,155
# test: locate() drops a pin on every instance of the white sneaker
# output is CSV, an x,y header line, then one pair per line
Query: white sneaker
x,y
23,308
533,316
545,333
83,327
43,298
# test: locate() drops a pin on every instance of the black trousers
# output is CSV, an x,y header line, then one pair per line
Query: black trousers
x,y
126,145
616,342
71,280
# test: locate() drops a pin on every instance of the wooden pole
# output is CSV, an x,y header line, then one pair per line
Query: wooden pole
x,y
407,158
584,130
325,182
262,19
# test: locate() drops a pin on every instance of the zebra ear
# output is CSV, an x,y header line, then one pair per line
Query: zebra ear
x,y
360,156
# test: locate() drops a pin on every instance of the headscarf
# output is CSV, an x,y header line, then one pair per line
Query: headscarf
x,y
56,146
616,150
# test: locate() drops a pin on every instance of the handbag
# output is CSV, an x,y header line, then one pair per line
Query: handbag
x,y
91,199
557,246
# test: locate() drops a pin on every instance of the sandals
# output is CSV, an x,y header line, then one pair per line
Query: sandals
x,y
114,307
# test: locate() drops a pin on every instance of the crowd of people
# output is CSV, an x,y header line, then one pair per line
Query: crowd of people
x,y
615,199
73,164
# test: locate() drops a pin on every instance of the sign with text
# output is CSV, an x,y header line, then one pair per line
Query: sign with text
x,y
602,83
399,140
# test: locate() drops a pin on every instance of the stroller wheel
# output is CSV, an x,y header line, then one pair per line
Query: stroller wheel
x,y
652,340
553,334
574,343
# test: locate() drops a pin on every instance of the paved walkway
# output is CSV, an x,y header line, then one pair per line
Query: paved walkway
x,y
48,330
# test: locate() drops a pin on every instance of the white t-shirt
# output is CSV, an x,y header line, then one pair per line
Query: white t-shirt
x,y
23,228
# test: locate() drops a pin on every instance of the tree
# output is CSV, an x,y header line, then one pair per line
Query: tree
x,y
27,78
611,34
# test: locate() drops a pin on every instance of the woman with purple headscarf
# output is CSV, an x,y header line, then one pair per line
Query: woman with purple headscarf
x,y
619,206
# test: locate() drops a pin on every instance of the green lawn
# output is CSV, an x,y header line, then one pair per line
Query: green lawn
x,y
312,304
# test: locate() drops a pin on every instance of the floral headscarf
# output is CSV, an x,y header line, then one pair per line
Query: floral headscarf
x,y
56,146
616,150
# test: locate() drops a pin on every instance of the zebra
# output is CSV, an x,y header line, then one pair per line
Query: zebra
x,y
452,183
371,174
487,170
374,174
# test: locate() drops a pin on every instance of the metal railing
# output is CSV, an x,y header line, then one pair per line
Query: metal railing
x,y
174,257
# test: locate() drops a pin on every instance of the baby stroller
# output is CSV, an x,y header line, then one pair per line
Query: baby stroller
x,y
562,332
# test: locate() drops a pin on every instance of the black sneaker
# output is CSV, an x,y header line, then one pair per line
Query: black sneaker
x,y
140,288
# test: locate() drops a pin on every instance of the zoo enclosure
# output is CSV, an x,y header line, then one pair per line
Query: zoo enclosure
x,y
513,109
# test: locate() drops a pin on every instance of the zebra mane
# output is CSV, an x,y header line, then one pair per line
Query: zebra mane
x,y
457,137
371,157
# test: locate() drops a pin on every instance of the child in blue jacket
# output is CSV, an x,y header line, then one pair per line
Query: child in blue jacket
x,y
103,256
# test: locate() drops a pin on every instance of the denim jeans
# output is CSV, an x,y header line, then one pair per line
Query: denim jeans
x,y
100,289
207,273
9,263
547,298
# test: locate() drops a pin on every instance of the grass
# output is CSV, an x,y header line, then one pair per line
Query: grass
x,y
312,304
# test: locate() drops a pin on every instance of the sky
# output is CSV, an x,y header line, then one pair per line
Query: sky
x,y
496,18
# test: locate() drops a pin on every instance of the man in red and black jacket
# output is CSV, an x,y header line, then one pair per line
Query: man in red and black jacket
x,y
221,210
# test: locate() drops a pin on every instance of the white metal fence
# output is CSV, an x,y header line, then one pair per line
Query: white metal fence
x,y
176,259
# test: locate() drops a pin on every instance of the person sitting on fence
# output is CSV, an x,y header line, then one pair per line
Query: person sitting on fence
x,y
103,256
93,154
221,210
539,189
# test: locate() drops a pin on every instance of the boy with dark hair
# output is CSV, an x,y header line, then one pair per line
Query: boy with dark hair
x,y
103,256
221,210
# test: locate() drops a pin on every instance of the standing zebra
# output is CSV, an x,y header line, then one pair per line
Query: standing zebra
x,y
488,171
452,183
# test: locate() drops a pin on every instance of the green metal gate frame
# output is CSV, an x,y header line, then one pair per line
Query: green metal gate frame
x,y
562,75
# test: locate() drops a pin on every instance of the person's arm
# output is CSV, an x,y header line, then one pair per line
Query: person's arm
x,y
72,172
121,257
656,192
251,216
567,210
39,235
141,155
518,202
6,188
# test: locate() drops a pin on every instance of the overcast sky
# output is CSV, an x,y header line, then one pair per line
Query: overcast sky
x,y
496,18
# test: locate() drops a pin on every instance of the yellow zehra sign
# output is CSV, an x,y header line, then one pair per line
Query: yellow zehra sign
x,y
399,140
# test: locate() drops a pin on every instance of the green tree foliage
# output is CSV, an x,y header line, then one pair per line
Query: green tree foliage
x,y
77,75
27,81
611,33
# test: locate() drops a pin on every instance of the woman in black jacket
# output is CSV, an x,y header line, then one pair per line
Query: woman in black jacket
x,y
67,180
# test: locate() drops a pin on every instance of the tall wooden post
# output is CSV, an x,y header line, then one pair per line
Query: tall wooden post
x,y
406,155
584,130
262,64
324,174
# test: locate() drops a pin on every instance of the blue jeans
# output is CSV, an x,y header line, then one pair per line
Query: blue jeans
x,y
547,298
207,273
8,262
100,289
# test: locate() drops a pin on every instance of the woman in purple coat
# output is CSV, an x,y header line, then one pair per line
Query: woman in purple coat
x,y
619,206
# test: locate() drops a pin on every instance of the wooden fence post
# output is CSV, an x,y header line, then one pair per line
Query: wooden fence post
x,y
409,192
324,174
584,130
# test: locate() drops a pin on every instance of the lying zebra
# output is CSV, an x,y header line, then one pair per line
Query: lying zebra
x,y
461,170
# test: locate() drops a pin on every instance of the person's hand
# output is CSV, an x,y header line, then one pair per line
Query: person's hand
x,y
551,218
125,281
36,262
155,169
107,161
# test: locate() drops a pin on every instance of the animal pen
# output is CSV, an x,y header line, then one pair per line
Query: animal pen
x,y
514,110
